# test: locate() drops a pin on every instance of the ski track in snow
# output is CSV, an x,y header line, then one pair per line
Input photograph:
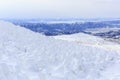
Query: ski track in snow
x,y
26,55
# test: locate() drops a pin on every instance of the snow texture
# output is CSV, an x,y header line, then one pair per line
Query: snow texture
x,y
25,55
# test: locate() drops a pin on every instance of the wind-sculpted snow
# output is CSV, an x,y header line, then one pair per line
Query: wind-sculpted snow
x,y
25,55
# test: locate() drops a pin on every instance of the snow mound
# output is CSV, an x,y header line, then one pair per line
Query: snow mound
x,y
25,55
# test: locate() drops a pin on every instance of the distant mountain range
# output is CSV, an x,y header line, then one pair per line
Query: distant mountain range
x,y
63,26
51,28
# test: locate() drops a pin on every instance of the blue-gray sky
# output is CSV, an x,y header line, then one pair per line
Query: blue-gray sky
x,y
59,8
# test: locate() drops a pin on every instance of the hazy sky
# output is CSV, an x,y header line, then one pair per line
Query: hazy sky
x,y
59,8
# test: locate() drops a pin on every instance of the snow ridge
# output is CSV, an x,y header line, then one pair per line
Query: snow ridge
x,y
25,55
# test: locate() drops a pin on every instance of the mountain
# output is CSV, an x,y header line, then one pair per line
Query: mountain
x,y
88,40
109,34
60,27
26,55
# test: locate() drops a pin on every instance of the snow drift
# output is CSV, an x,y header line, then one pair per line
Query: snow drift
x,y
25,55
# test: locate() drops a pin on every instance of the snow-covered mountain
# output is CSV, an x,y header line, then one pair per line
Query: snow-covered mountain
x,y
26,55
88,40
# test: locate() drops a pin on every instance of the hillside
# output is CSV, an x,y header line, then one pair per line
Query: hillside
x,y
26,55
88,40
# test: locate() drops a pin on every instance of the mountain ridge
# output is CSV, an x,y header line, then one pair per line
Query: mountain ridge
x,y
26,55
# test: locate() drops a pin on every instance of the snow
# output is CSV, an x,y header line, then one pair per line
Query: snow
x,y
102,30
26,55
88,40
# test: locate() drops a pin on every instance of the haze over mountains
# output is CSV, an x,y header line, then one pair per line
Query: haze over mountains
x,y
26,55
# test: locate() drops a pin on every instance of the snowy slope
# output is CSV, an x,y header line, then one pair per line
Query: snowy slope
x,y
89,40
25,55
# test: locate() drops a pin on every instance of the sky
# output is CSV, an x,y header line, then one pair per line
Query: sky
x,y
28,9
